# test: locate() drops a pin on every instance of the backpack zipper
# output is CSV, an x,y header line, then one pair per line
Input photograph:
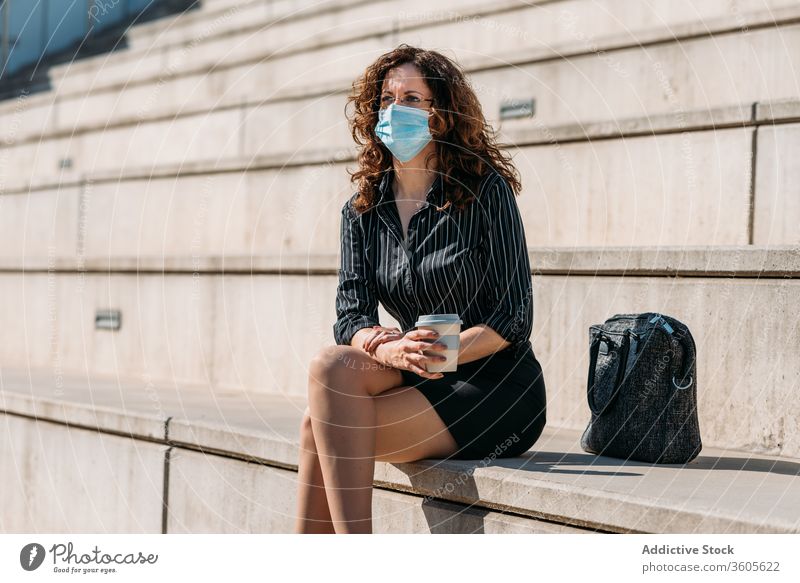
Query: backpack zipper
x,y
639,339
659,319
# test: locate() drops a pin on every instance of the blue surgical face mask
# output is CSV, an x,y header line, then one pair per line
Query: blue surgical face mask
x,y
404,130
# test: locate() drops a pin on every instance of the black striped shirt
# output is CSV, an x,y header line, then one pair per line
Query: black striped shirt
x,y
473,263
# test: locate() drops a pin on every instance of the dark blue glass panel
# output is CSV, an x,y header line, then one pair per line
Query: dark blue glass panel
x,y
106,13
65,24
43,27
136,6
25,22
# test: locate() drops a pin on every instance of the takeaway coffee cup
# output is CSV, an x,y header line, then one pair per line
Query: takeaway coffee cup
x,y
449,327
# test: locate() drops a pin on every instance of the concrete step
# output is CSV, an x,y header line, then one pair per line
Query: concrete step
x,y
512,29
237,20
264,500
257,76
234,322
233,454
625,187
618,182
252,498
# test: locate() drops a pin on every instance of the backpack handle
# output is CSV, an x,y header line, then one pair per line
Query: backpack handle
x,y
687,347
688,360
622,359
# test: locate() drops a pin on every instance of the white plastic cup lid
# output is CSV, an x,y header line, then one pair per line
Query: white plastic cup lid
x,y
430,319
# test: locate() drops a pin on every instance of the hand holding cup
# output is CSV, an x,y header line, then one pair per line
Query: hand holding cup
x,y
416,351
448,328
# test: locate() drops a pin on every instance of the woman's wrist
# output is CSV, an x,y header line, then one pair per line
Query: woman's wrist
x,y
381,352
375,336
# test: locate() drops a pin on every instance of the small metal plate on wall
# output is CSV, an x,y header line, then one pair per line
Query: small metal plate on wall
x,y
514,108
107,319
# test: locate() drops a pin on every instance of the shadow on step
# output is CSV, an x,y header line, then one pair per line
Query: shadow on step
x,y
555,462
450,484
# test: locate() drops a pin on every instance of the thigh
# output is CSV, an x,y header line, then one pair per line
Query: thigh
x,y
408,428
357,370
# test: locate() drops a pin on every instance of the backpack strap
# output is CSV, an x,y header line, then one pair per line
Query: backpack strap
x,y
681,382
622,360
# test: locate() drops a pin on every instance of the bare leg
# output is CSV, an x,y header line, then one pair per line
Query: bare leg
x,y
313,515
345,401
343,422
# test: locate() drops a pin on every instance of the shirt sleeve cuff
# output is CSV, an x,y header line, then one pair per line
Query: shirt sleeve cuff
x,y
512,330
344,330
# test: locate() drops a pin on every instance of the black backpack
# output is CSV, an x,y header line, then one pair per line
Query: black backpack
x,y
642,390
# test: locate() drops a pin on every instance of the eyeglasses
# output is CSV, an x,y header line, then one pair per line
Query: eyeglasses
x,y
410,101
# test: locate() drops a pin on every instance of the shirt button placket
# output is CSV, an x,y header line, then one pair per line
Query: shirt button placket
x,y
410,259
410,283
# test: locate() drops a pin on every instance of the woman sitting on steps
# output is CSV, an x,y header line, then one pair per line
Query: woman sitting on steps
x,y
434,228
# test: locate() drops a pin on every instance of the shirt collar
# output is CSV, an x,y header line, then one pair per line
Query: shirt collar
x,y
435,193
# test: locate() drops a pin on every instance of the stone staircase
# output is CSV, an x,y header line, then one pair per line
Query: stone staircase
x,y
177,181
165,457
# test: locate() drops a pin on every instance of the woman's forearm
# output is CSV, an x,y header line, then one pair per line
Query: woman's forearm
x,y
476,342
479,341
360,337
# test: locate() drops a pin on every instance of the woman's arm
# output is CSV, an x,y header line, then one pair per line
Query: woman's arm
x,y
479,341
356,304
510,317
368,339
360,338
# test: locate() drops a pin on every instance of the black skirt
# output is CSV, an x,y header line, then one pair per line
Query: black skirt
x,y
494,406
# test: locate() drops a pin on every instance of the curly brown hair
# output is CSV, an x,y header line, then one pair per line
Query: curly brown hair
x,y
465,144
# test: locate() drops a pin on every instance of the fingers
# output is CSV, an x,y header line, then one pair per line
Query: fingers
x,y
422,345
419,340
422,334
418,363
379,336
385,337
379,339
424,373
369,341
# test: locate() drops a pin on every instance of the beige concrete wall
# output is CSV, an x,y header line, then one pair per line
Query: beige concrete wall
x,y
777,200
580,193
472,31
578,90
665,78
621,83
673,189
58,479
252,213
166,330
68,480
42,223
258,333
746,333
214,494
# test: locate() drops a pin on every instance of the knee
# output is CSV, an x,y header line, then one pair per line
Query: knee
x,y
331,368
328,360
